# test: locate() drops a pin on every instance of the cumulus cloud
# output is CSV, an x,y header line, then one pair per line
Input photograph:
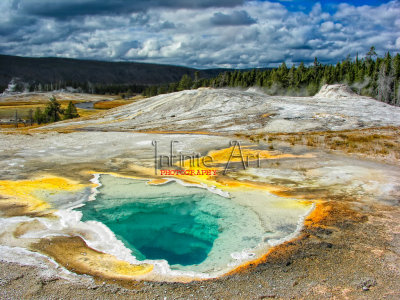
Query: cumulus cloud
x,y
235,18
211,34
70,8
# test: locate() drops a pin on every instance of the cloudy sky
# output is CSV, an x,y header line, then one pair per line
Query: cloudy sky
x,y
202,34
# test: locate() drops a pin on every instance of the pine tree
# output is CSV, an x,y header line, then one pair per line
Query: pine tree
x,y
185,83
71,111
282,75
53,110
162,89
196,83
396,71
360,73
172,87
371,53
350,75
396,66
327,76
300,74
312,88
274,80
292,77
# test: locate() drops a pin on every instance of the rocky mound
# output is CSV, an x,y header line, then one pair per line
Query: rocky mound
x,y
335,91
233,111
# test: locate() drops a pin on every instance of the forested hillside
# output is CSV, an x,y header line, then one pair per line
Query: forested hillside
x,y
374,76
100,77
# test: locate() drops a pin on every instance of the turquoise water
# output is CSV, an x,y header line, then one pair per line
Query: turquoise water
x,y
177,230
191,228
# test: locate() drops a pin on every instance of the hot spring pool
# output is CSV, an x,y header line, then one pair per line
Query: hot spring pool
x,y
190,227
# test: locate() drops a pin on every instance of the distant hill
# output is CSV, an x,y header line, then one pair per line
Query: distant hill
x,y
52,70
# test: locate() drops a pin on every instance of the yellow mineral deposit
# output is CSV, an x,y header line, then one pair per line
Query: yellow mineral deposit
x,y
234,154
75,255
218,159
26,196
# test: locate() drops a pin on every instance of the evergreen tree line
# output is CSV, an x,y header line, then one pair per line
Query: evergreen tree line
x,y
186,83
54,113
81,87
377,77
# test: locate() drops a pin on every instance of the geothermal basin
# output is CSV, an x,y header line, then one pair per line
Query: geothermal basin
x,y
197,232
80,200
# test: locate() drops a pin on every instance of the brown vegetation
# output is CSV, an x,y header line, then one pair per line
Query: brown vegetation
x,y
381,143
115,103
110,104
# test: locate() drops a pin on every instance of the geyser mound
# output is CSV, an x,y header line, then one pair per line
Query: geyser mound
x,y
335,91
